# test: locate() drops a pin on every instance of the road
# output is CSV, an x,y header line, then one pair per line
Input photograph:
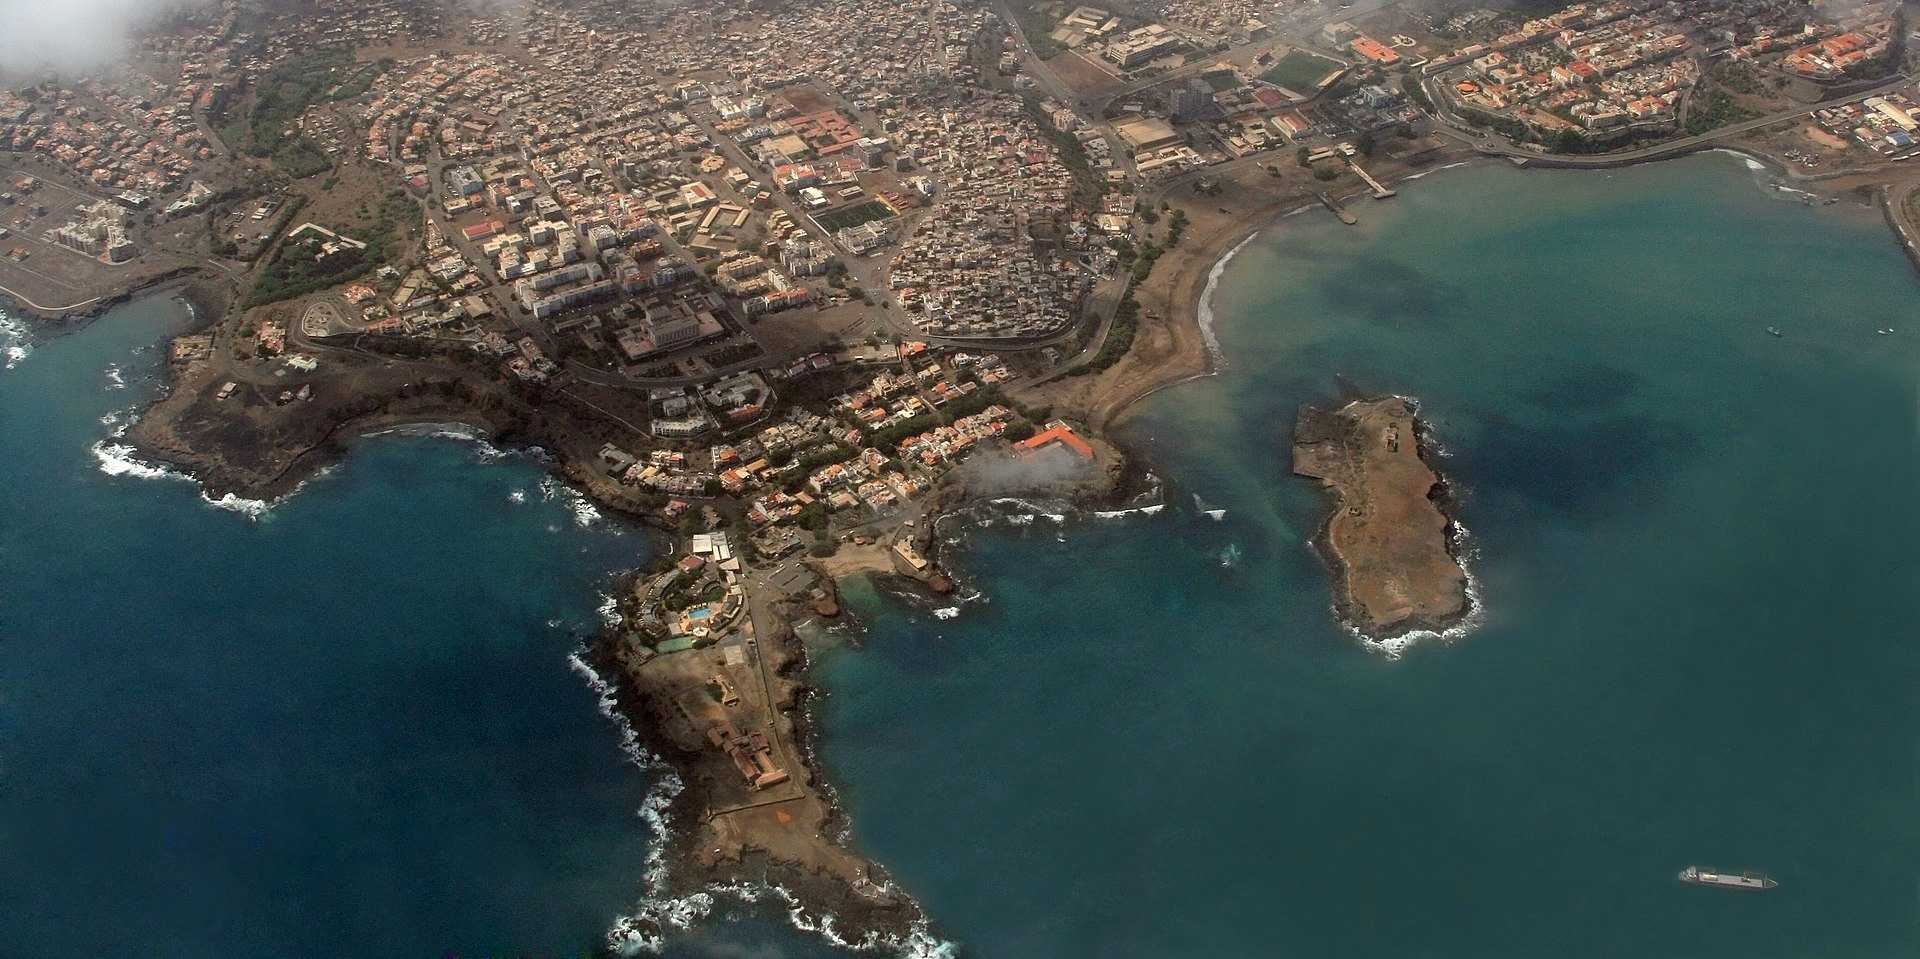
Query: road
x,y
22,297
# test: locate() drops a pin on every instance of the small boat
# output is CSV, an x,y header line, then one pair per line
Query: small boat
x,y
1774,331
1753,881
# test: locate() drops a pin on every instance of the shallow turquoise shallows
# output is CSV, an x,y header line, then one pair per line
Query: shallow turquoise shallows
x,y
1695,543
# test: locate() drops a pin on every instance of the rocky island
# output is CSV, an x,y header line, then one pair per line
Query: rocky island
x,y
1389,542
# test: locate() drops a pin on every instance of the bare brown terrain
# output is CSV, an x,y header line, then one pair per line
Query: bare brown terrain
x,y
726,830
1388,540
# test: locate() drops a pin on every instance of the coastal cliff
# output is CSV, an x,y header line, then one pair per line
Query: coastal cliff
x,y
782,833
1388,541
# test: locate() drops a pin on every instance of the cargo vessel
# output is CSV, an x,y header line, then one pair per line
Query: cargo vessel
x,y
1707,877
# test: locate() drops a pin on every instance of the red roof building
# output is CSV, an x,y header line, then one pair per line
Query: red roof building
x,y
1056,432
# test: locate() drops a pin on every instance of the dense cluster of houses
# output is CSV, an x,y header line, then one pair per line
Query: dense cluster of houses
x,y
1586,68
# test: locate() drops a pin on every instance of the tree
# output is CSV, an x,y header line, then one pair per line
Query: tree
x,y
1300,156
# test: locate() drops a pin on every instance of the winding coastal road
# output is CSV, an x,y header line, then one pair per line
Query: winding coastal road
x,y
22,297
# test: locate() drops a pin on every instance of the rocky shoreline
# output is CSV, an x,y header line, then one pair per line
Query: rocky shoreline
x,y
825,885
1390,542
868,910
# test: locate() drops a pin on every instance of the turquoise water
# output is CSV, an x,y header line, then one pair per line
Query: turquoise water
x,y
349,727
1695,546
346,728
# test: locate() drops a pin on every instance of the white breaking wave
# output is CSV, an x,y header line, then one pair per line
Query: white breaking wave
x,y
118,421
1140,510
486,451
1206,302
15,346
118,459
644,930
1032,510
517,496
1752,164
1208,510
917,944
946,612
584,513
115,379
250,508
1438,169
641,931
1392,647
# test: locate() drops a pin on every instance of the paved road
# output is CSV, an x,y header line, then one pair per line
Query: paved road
x,y
1051,84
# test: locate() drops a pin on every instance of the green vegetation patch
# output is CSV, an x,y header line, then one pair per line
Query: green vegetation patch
x,y
1037,25
286,92
1087,184
866,212
295,270
1716,111
1300,71
1221,80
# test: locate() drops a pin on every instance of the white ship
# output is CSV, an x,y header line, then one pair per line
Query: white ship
x,y
1707,877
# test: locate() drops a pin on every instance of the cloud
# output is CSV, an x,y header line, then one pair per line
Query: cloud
x,y
1000,473
39,37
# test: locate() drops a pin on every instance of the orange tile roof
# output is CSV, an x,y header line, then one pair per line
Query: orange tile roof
x,y
1057,434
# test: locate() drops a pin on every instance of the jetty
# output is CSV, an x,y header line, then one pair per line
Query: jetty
x,y
1327,200
1380,190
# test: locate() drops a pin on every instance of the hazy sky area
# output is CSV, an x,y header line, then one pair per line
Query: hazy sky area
x,y
70,36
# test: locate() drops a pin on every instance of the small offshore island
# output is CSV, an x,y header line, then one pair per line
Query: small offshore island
x,y
1389,542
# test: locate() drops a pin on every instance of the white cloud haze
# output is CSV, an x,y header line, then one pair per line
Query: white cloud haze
x,y
70,36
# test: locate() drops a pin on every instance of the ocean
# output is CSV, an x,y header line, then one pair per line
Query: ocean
x,y
349,724
345,725
1693,544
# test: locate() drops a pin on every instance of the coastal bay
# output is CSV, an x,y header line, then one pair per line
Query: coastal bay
x,y
1652,489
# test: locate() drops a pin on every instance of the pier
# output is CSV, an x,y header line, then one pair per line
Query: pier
x,y
1340,211
1380,192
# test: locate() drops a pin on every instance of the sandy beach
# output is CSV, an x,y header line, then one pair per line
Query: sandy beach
x,y
1170,346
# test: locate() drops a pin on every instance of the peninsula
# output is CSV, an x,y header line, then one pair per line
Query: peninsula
x,y
1388,541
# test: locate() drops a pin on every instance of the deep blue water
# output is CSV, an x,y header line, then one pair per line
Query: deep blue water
x,y
346,728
